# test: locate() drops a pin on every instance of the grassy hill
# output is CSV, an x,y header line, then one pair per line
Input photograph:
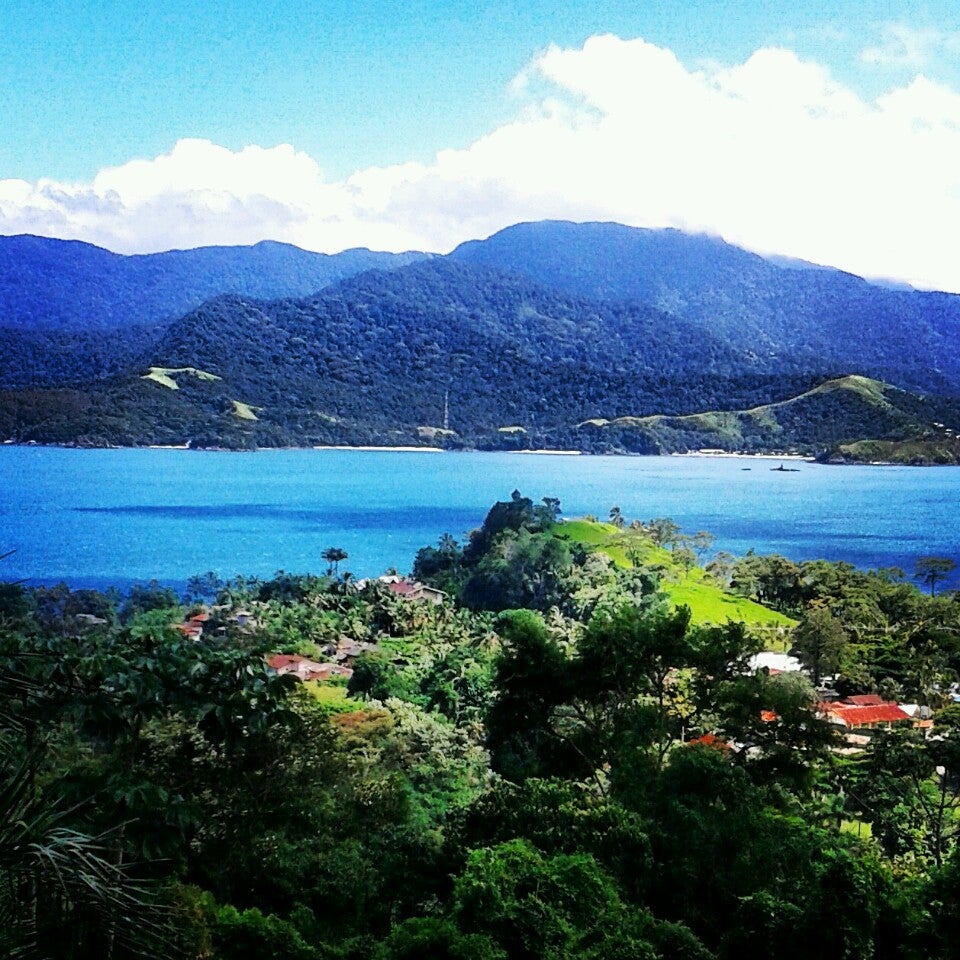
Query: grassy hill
x,y
708,603
837,413
932,451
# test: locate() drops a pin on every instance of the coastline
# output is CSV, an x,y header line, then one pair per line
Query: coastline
x,y
412,448
724,454
550,453
374,449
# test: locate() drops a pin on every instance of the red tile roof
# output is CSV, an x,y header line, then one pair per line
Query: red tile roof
x,y
279,660
768,716
709,740
857,715
401,587
865,700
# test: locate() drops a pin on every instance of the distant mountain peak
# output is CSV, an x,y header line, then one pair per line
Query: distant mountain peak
x,y
70,285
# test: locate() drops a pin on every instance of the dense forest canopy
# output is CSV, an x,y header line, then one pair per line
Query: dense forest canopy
x,y
568,755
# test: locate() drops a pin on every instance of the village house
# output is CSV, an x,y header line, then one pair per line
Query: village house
x,y
774,663
858,715
408,589
305,669
192,627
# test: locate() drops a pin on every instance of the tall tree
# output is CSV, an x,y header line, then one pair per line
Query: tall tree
x,y
333,556
820,642
933,570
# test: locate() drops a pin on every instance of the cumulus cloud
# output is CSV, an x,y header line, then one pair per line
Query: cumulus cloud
x,y
773,153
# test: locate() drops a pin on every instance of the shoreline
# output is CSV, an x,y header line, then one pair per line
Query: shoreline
x,y
725,455
548,453
371,448
412,448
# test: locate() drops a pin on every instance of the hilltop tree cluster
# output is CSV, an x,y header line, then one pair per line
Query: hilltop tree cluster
x,y
558,761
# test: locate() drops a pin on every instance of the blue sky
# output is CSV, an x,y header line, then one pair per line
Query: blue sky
x,y
91,83
828,131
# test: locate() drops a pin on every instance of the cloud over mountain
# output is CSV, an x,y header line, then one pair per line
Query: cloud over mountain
x,y
773,153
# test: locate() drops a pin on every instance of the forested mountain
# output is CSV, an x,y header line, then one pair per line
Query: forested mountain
x,y
392,344
597,337
51,358
67,285
822,316
381,355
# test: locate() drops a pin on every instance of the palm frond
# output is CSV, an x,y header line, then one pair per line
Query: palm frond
x,y
59,886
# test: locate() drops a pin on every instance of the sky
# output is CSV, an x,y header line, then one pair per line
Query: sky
x,y
827,132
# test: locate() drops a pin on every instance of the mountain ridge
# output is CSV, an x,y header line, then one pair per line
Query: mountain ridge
x,y
505,343
821,315
74,286
829,420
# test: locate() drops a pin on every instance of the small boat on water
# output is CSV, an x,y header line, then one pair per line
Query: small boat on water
x,y
783,469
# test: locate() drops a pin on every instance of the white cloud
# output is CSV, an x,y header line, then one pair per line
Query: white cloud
x,y
773,153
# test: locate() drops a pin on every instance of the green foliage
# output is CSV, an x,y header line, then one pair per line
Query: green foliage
x,y
565,905
908,789
820,642
249,935
560,816
62,893
532,906
438,939
531,676
377,677
933,570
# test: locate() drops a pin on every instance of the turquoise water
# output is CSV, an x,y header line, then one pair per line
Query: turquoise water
x,y
101,517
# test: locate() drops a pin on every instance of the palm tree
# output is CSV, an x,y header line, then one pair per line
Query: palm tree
x,y
333,556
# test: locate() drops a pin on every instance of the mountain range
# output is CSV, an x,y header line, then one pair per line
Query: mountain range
x,y
595,336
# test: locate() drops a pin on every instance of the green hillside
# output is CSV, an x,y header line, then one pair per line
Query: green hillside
x,y
708,603
834,414
925,451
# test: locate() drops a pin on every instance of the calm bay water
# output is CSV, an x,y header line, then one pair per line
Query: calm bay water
x,y
101,517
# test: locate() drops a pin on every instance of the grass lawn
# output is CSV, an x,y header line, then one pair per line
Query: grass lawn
x,y
710,604
332,696
244,411
857,827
